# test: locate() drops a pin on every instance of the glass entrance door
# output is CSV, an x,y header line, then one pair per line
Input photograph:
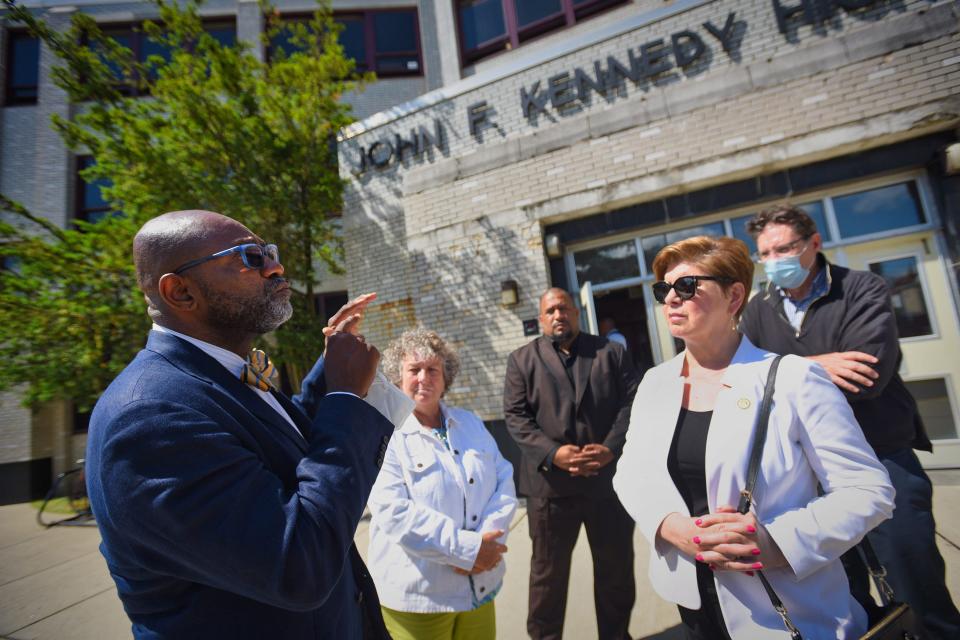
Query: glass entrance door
x,y
625,309
925,308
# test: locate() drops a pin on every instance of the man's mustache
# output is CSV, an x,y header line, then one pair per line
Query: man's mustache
x,y
277,283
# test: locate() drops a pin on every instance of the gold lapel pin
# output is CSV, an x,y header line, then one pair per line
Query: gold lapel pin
x,y
743,403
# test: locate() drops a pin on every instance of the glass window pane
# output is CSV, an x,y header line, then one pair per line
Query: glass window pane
x,y
906,294
530,11
24,62
481,21
397,64
651,246
607,264
353,40
124,38
712,229
151,48
225,34
92,198
281,41
395,31
814,209
878,210
934,405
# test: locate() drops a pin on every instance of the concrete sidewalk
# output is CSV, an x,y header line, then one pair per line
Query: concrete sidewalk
x,y
54,583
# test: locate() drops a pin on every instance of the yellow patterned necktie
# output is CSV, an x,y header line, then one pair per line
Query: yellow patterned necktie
x,y
258,371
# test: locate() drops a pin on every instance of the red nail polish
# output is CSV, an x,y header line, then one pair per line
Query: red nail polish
x,y
755,552
750,573
698,557
751,528
757,565
696,539
698,522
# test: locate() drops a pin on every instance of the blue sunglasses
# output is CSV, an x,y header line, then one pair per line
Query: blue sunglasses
x,y
254,256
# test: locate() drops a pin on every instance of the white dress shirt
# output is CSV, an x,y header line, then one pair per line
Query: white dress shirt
x,y
234,364
813,438
430,505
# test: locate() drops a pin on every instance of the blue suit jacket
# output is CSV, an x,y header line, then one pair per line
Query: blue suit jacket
x,y
218,521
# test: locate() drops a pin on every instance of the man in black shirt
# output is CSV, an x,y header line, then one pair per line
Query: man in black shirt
x,y
567,400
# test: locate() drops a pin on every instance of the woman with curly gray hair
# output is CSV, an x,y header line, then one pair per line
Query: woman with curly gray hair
x,y
441,505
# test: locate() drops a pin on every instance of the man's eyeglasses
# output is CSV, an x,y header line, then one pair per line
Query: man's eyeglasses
x,y
686,287
254,256
780,251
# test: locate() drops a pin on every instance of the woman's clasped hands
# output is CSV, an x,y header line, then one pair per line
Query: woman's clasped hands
x,y
725,540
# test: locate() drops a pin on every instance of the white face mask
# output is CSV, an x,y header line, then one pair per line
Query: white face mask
x,y
385,397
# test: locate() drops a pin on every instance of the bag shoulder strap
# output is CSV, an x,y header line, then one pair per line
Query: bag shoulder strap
x,y
753,471
759,438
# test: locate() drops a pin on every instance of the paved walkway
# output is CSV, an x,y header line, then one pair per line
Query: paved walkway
x,y
54,583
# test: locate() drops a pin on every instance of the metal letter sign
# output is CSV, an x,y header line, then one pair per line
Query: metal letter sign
x,y
644,65
381,152
813,12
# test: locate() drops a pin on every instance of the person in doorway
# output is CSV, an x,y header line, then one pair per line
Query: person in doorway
x,y
843,319
608,329
228,510
441,507
567,399
686,458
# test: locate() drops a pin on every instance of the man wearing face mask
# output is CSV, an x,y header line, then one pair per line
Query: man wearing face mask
x,y
844,320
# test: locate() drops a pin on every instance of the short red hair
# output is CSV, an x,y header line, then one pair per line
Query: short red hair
x,y
719,256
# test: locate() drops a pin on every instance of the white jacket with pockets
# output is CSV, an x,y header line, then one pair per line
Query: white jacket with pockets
x,y
430,506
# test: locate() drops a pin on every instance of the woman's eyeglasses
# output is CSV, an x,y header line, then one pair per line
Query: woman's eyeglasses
x,y
685,286
254,256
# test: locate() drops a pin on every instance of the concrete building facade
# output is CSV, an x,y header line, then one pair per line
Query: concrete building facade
x,y
513,151
571,161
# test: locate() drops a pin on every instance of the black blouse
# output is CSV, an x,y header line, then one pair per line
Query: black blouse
x,y
685,461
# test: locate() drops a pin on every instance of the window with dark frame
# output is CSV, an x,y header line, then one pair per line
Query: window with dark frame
x,y
23,68
142,47
487,27
90,203
385,41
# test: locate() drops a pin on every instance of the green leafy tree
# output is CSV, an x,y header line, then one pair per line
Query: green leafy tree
x,y
215,128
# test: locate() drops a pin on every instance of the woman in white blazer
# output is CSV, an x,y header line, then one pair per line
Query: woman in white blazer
x,y
686,456
441,506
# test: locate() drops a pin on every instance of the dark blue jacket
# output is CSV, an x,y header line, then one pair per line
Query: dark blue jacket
x,y
854,315
217,520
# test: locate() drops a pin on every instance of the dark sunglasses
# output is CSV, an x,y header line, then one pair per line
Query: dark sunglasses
x,y
254,256
686,287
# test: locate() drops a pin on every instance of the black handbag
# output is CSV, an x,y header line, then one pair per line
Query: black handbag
x,y
895,620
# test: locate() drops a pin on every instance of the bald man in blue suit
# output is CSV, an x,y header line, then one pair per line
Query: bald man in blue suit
x,y
228,510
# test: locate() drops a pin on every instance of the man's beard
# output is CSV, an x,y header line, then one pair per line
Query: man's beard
x,y
563,336
259,313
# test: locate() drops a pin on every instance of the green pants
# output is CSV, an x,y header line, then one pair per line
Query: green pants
x,y
478,624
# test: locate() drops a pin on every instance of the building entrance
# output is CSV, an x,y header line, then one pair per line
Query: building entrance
x,y
887,225
625,310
